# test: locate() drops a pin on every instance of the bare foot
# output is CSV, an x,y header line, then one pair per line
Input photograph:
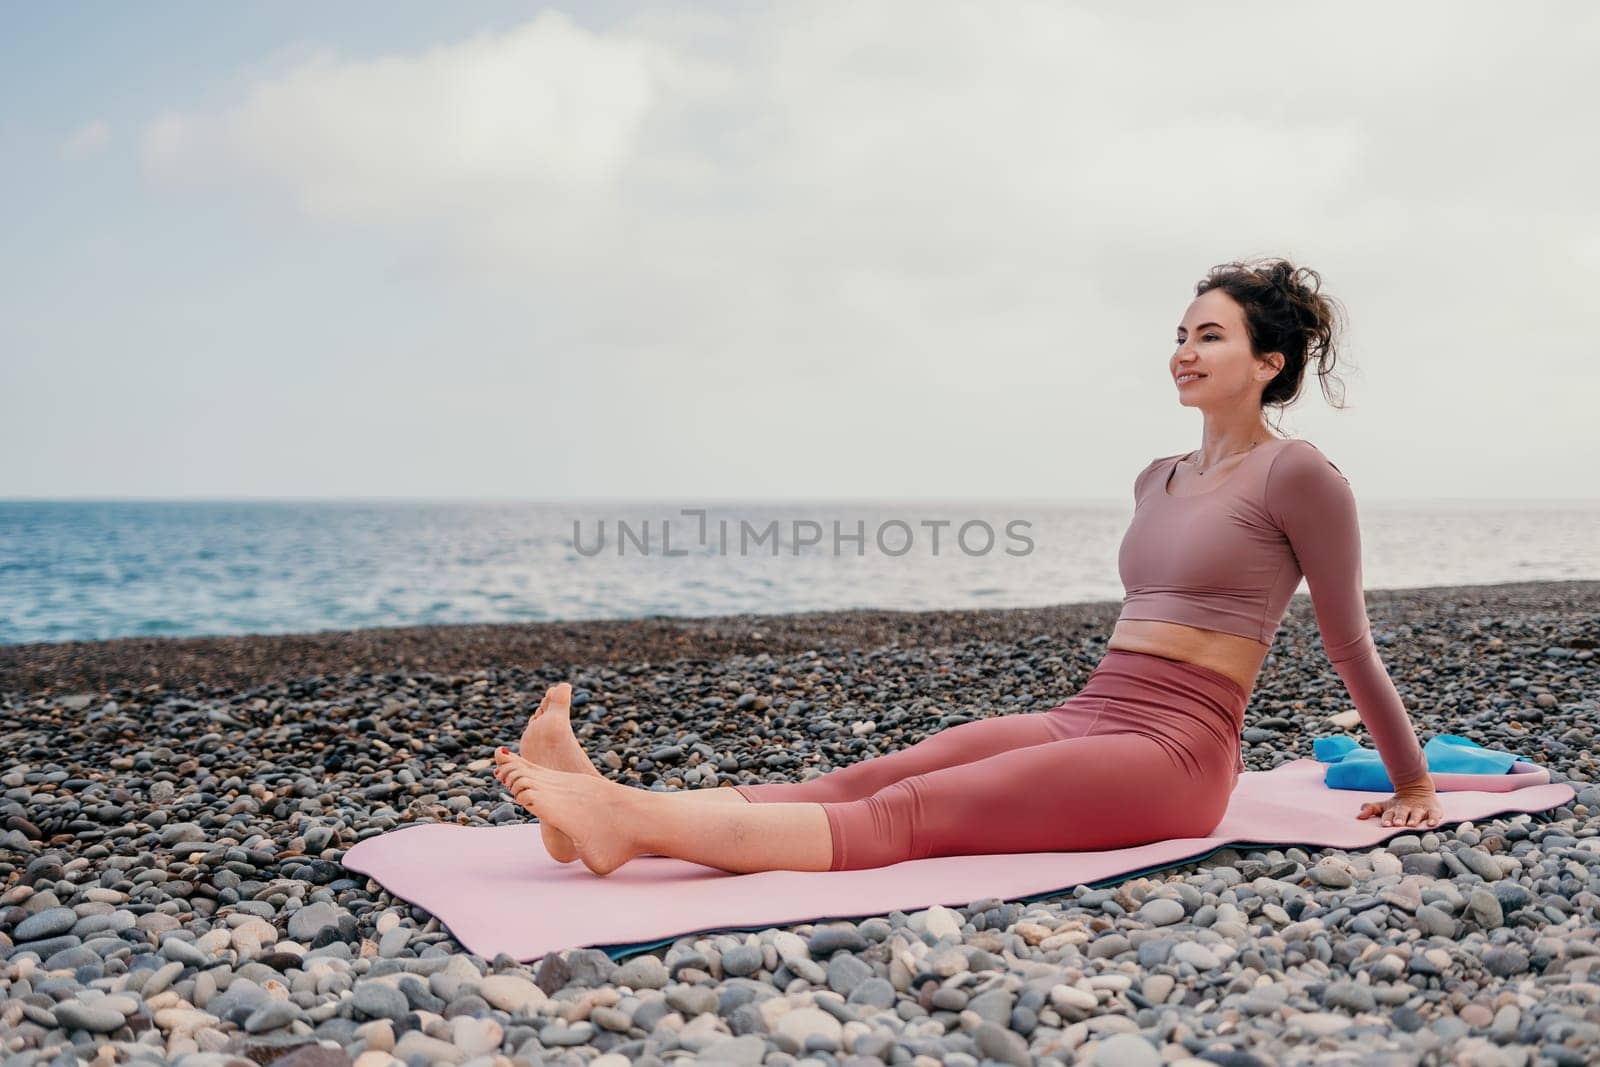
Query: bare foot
x,y
587,808
548,741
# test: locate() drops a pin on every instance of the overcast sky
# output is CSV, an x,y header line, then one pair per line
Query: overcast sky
x,y
776,250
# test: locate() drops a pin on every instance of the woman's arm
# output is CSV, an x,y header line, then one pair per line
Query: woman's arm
x,y
1310,498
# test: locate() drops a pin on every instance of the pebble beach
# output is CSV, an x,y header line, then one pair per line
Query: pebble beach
x,y
173,813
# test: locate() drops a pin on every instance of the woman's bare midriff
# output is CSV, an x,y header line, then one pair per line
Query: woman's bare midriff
x,y
1239,658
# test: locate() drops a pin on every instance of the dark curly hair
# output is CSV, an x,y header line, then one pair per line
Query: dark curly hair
x,y
1284,311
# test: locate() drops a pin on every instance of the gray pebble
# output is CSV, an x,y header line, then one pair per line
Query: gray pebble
x,y
378,1000
96,1018
271,1015
1161,912
692,1000
874,993
1127,1050
306,923
845,972
1000,1044
641,972
741,960
47,923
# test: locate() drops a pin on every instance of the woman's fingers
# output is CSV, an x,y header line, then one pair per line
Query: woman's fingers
x,y
1407,816
1401,813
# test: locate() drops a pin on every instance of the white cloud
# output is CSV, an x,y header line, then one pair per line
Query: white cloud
x,y
88,139
542,115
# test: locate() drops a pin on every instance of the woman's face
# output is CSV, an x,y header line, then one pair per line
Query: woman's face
x,y
1212,342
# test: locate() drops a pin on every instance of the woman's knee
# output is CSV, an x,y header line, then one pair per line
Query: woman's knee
x,y
875,830
1079,794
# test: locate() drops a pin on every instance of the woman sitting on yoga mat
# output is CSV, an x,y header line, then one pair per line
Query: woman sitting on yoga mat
x,y
1149,749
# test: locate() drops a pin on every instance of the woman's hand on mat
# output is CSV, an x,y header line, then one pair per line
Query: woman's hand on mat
x,y
1414,806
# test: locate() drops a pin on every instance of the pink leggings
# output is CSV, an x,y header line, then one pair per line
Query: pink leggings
x,y
1147,750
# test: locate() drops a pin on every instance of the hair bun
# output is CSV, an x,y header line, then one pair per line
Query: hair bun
x,y
1283,276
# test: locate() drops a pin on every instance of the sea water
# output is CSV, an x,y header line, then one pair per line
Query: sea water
x,y
81,570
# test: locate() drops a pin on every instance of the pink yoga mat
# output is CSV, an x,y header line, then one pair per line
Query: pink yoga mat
x,y
497,889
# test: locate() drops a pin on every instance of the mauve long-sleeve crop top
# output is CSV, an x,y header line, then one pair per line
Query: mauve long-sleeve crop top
x,y
1230,558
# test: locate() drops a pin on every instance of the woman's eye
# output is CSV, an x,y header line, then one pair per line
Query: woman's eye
x,y
1203,337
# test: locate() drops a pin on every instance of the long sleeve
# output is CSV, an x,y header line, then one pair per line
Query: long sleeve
x,y
1311,500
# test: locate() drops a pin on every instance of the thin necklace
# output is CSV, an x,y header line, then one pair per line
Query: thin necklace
x,y
1202,473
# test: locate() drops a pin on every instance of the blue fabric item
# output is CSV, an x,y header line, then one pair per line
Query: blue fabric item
x,y
1352,767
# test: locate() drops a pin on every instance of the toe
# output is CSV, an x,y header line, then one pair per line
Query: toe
x,y
545,703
